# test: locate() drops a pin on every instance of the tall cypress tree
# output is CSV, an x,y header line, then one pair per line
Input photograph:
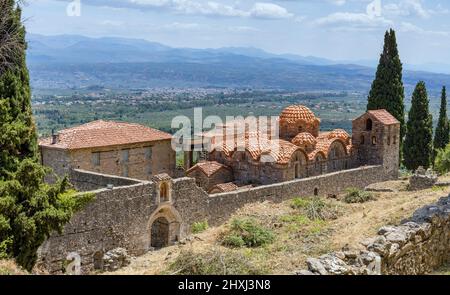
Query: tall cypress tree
x,y
18,139
387,90
418,145
30,209
442,134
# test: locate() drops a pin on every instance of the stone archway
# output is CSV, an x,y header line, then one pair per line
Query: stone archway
x,y
160,233
164,227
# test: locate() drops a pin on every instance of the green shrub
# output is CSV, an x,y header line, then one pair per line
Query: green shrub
x,y
214,262
355,195
299,203
442,161
232,240
199,227
249,232
315,208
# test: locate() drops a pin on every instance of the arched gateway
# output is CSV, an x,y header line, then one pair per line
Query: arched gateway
x,y
164,227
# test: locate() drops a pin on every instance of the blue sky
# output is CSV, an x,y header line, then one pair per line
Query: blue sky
x,y
335,29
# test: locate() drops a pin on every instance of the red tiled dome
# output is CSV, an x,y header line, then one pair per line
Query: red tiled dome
x,y
295,113
304,138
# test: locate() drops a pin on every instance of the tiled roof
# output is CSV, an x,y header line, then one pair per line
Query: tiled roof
x,y
304,138
340,134
295,113
280,150
384,117
104,133
325,140
209,168
225,187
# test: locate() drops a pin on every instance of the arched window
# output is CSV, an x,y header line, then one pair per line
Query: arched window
x,y
362,140
164,192
395,139
374,140
369,125
316,191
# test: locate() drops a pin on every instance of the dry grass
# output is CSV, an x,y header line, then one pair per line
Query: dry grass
x,y
9,267
297,236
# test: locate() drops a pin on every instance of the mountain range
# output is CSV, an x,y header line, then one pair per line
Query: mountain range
x,y
72,61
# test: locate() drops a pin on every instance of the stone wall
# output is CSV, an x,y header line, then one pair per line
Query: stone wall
x,y
84,181
140,161
116,218
418,246
126,216
195,205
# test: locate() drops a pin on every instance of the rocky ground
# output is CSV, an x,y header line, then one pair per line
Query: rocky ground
x,y
296,236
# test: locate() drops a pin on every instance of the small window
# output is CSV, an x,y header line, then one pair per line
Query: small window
x,y
96,159
125,156
374,140
316,191
369,124
395,139
362,140
389,140
164,192
148,153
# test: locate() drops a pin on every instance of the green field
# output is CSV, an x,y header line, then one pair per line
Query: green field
x,y
67,109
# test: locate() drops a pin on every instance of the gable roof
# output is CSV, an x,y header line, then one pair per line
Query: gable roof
x,y
104,133
383,116
209,168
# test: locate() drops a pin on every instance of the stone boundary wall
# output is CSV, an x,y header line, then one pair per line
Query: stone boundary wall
x,y
87,181
117,217
196,205
122,217
417,246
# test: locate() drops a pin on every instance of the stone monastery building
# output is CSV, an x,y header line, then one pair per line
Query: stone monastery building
x,y
114,148
301,150
143,203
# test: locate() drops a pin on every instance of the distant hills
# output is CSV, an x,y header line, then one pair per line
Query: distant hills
x,y
70,61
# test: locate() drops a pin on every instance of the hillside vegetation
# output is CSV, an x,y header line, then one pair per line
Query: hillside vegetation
x,y
292,231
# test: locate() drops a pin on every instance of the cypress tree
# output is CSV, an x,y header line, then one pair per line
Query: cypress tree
x,y
18,139
418,145
442,134
387,90
30,209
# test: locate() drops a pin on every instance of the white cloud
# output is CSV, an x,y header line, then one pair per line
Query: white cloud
x,y
352,21
407,8
269,10
411,28
199,7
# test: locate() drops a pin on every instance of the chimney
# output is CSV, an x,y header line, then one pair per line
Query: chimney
x,y
54,137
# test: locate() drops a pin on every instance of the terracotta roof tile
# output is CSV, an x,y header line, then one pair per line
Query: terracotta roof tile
x,y
304,138
340,134
295,113
104,133
384,117
225,187
209,168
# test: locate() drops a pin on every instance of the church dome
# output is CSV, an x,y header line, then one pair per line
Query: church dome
x,y
304,138
295,113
